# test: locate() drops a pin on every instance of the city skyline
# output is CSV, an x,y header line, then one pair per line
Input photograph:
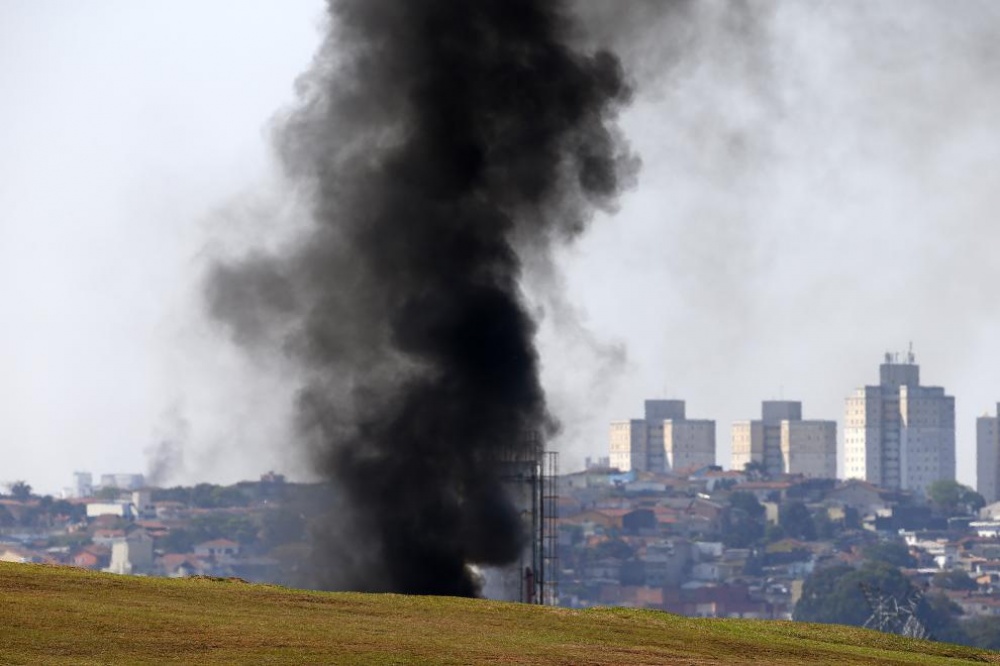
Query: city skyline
x,y
897,434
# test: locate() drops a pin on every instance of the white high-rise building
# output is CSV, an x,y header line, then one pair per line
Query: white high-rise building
x,y
83,484
988,457
899,434
782,443
123,481
664,441
629,445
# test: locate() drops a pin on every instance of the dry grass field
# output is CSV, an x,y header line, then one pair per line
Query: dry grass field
x,y
57,615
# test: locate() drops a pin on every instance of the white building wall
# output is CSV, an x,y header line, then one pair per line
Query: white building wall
x,y
656,444
927,437
629,445
810,448
122,509
900,434
688,443
656,449
747,444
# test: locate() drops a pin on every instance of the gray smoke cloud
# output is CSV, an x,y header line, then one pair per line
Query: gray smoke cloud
x,y
165,457
444,146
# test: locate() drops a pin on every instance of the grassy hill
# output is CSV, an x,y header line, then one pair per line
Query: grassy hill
x,y
57,615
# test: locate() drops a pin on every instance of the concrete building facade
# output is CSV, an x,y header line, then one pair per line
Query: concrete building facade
x,y
664,441
782,443
809,448
688,444
629,445
988,457
899,434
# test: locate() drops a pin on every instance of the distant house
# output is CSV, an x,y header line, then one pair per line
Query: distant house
x,y
631,596
604,570
639,521
974,604
218,549
92,557
716,477
667,562
716,601
119,508
154,528
169,510
20,556
604,518
107,537
866,498
990,511
765,490
987,529
178,565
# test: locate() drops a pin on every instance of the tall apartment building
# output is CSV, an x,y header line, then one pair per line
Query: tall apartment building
x,y
783,443
664,441
899,434
988,457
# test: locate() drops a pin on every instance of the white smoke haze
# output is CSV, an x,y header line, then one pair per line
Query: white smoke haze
x,y
818,186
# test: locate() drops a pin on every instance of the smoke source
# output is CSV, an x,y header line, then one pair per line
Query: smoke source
x,y
438,142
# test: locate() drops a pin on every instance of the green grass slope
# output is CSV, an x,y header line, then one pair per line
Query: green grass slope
x,y
56,615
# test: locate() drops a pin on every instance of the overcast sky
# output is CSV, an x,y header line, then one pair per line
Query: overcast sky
x,y
819,187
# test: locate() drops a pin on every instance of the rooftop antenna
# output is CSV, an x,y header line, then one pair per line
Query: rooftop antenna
x,y
910,358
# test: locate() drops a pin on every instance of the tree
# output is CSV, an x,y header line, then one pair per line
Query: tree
x,y
954,579
178,540
75,512
20,491
220,526
209,496
826,529
774,533
893,553
615,548
797,522
281,526
743,523
951,498
983,632
852,518
108,493
747,503
940,616
833,595
823,600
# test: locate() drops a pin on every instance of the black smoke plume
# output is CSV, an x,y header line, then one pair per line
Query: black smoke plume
x,y
438,141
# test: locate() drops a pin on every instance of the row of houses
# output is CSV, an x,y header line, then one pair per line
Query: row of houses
x,y
132,553
657,540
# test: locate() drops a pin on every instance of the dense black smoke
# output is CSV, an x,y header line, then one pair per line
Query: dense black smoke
x,y
439,141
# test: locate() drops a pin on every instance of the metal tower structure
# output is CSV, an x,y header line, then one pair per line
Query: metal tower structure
x,y
530,477
892,617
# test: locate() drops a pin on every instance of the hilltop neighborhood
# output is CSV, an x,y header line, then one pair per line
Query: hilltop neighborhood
x,y
702,542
